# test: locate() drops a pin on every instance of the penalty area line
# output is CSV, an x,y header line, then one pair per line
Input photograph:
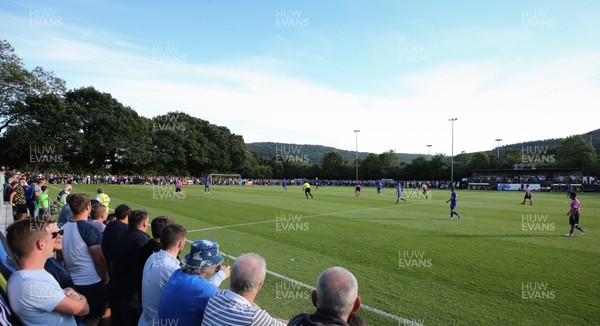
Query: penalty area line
x,y
403,320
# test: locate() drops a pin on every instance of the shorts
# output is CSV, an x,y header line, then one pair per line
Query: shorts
x,y
527,196
21,208
96,297
574,219
307,191
357,188
452,205
177,189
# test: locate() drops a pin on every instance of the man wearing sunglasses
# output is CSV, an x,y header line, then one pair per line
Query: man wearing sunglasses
x,y
34,295
54,266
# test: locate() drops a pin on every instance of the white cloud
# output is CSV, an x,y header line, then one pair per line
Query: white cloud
x,y
516,100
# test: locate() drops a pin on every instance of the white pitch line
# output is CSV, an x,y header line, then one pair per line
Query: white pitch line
x,y
362,305
53,187
291,280
269,221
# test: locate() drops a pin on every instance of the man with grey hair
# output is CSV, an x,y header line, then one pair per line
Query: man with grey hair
x,y
336,299
236,307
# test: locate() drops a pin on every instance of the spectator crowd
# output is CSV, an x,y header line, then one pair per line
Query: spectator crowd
x,y
93,267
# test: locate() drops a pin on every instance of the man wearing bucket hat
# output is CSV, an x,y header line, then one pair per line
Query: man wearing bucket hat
x,y
186,294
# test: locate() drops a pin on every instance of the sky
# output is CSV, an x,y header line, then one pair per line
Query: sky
x,y
313,71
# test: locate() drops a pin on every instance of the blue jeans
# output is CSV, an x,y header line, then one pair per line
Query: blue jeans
x,y
32,206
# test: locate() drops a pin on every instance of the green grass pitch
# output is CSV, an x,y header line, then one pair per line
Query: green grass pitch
x,y
503,264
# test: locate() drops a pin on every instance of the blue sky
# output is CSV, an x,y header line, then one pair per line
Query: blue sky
x,y
311,72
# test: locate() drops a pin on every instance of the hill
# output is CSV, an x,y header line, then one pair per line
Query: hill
x,y
554,142
314,153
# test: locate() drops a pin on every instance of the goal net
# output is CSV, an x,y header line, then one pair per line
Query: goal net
x,y
225,179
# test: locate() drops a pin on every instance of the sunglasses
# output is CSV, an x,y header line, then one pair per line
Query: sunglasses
x,y
55,234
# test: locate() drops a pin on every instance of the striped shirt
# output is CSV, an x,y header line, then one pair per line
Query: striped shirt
x,y
231,309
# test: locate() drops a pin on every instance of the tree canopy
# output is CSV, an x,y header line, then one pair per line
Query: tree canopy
x,y
44,127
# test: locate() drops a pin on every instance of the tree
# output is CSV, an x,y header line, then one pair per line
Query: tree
x,y
461,165
511,157
186,145
44,138
389,163
438,166
370,167
17,84
332,165
251,166
479,160
418,169
576,152
113,135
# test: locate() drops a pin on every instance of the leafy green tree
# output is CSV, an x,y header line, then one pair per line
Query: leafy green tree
x,y
185,145
17,84
576,152
511,157
461,167
332,166
44,138
257,166
439,167
479,160
112,133
370,167
418,169
389,163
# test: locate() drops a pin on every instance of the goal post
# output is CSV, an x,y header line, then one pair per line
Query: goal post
x,y
225,179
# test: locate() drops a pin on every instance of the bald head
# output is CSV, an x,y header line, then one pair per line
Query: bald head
x,y
247,274
337,290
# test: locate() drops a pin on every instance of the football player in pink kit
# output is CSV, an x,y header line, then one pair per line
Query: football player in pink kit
x,y
527,196
574,216
425,190
357,188
178,185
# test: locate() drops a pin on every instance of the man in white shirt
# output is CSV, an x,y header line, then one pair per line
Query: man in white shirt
x,y
158,269
33,294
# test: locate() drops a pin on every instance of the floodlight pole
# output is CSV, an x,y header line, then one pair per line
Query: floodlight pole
x,y
452,159
498,148
429,151
356,132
